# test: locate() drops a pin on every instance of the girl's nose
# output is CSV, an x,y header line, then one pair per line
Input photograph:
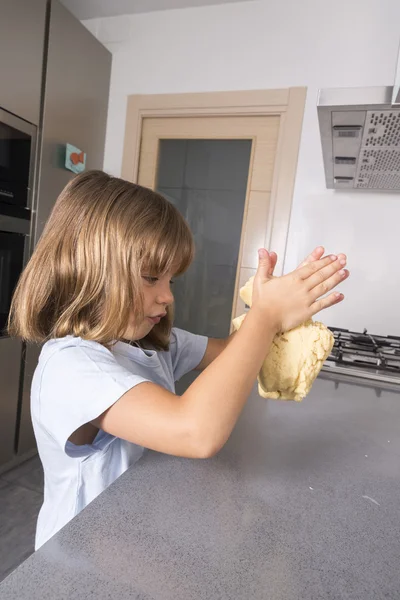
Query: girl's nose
x,y
165,296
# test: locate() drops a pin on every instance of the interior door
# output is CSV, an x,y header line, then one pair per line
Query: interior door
x,y
218,171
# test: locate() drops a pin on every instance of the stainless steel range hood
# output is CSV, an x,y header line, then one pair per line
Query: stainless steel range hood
x,y
360,133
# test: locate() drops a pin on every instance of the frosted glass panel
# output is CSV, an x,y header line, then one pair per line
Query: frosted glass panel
x,y
207,180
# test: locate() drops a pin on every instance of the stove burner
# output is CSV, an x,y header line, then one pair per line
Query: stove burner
x,y
362,339
366,352
365,339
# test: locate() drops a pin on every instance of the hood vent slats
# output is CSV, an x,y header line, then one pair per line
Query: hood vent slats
x,y
360,133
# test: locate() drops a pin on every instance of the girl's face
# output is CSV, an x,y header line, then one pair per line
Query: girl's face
x,y
157,296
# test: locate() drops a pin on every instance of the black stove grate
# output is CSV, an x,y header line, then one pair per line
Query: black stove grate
x,y
366,351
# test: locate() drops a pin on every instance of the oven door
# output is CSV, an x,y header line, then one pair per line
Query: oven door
x,y
14,242
17,152
13,251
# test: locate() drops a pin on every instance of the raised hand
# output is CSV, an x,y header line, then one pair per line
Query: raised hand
x,y
294,298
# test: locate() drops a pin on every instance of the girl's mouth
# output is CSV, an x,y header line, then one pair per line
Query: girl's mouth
x,y
157,319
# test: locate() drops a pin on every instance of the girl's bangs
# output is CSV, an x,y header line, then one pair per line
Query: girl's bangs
x,y
171,249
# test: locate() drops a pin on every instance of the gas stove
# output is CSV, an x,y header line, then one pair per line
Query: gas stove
x,y
365,355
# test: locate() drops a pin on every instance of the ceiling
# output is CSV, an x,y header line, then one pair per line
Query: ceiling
x,y
90,9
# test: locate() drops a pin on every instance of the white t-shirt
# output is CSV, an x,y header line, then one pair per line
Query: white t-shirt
x,y
76,381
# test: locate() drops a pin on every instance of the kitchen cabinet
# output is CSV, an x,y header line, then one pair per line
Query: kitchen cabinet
x,y
10,352
75,104
75,111
22,40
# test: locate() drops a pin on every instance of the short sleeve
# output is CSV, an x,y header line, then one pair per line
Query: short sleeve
x,y
79,383
187,350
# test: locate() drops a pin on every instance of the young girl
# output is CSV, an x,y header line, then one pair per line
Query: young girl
x,y
97,292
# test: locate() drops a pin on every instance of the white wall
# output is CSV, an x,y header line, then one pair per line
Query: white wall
x,y
271,44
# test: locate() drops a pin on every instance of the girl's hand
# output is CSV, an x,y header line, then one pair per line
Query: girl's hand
x,y
316,254
294,298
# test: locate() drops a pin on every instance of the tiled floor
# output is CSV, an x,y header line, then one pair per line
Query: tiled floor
x,y
21,496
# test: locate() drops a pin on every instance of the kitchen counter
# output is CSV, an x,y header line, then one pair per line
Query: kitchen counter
x,y
303,503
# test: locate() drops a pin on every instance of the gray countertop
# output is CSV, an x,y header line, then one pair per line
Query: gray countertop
x,y
302,503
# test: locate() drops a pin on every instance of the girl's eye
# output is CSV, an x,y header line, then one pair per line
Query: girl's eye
x,y
154,280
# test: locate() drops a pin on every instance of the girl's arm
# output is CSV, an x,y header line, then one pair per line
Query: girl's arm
x,y
214,348
198,423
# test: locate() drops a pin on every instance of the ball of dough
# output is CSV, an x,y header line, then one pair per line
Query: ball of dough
x,y
295,357
246,291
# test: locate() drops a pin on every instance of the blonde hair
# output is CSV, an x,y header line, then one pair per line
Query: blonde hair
x,y
84,277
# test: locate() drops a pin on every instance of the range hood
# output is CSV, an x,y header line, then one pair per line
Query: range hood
x,y
360,134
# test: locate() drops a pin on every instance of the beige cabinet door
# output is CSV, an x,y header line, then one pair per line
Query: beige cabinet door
x,y
219,172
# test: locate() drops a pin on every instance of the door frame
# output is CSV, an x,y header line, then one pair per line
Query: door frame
x,y
287,103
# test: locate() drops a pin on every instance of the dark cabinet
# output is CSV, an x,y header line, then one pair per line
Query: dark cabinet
x,y
75,111
22,39
50,67
75,104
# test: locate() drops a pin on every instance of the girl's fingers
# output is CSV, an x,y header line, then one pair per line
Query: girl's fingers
x,y
264,265
326,302
312,269
321,275
329,284
315,255
274,258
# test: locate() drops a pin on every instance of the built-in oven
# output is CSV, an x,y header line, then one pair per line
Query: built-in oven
x,y
17,155
17,167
